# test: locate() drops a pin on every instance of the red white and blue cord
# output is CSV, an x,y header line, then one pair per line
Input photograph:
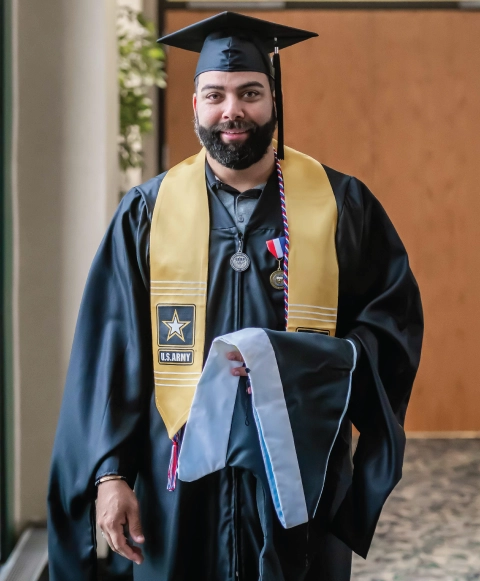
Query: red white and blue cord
x,y
281,187
173,466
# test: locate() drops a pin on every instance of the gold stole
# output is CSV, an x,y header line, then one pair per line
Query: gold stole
x,y
179,247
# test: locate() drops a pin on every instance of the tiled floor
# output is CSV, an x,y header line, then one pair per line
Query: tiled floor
x,y
430,526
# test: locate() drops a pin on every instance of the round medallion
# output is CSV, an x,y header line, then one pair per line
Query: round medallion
x,y
239,261
277,280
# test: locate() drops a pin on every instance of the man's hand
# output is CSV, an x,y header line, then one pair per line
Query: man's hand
x,y
117,507
237,371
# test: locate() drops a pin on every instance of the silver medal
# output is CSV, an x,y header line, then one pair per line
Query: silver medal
x,y
240,261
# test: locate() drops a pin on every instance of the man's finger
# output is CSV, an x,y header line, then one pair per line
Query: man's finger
x,y
135,526
121,546
237,371
235,356
112,533
136,556
106,536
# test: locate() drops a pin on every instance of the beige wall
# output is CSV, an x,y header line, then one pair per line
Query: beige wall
x,y
392,97
64,192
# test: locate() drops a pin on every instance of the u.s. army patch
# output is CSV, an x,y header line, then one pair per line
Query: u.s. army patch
x,y
175,334
176,325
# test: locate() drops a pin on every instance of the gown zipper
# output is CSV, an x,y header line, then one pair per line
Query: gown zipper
x,y
237,285
237,319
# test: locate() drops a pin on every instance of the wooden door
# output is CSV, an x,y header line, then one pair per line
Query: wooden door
x,y
392,97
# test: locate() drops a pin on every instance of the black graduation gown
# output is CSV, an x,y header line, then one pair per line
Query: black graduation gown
x,y
223,526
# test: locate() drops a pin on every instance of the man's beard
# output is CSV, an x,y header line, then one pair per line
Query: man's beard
x,y
237,155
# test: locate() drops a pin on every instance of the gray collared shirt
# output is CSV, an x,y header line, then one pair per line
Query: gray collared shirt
x,y
240,205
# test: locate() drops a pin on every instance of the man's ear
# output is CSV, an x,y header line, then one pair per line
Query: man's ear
x,y
194,103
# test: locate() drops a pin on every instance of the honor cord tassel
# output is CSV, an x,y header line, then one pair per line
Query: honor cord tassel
x,y
281,187
173,466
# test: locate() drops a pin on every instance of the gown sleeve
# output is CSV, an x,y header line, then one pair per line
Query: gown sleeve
x,y
380,309
107,391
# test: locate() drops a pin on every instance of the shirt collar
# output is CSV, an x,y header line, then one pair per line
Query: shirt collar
x,y
216,185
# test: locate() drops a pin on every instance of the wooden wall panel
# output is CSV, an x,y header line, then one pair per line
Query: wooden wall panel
x,y
392,97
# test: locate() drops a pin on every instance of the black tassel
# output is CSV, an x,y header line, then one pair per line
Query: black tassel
x,y
279,102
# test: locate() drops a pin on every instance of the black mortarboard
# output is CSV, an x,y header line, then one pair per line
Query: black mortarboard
x,y
234,42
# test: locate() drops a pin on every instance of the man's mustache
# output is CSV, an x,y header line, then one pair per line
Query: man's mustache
x,y
229,125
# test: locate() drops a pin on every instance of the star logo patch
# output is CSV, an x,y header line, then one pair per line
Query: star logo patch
x,y
175,327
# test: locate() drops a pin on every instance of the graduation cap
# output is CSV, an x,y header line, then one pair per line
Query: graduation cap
x,y
234,42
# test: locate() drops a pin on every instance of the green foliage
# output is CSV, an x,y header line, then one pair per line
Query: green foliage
x,y
140,67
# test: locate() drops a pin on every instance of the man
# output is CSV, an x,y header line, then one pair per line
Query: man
x,y
213,261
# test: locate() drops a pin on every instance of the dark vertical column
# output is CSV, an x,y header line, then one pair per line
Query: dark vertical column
x,y
161,95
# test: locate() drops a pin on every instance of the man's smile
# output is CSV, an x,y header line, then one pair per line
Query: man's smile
x,y
234,134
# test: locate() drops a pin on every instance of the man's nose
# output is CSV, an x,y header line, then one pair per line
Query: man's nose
x,y
233,109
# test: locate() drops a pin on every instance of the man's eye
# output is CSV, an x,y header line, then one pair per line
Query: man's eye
x,y
251,94
213,96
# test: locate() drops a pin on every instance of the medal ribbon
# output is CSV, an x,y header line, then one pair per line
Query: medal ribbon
x,y
276,247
